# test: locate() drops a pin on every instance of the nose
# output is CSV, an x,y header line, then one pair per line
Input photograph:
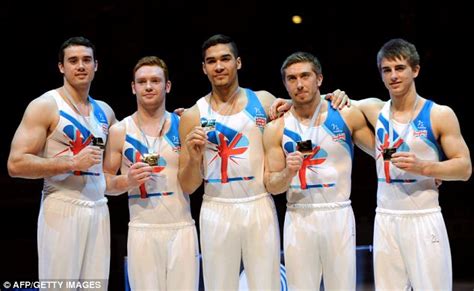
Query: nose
x,y
219,65
299,84
81,65
148,86
393,75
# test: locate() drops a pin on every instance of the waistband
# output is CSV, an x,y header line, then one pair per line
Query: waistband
x,y
79,202
385,211
140,225
332,205
234,200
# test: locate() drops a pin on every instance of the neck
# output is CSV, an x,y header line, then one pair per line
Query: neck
x,y
151,115
405,102
151,123
78,95
305,111
225,94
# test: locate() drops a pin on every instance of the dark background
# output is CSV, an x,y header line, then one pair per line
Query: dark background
x,y
344,36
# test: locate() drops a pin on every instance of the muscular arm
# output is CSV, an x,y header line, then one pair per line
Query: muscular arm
x,y
362,135
268,102
457,165
116,184
279,171
25,160
193,142
370,107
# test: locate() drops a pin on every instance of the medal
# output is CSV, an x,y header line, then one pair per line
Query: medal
x,y
151,159
305,147
208,124
387,153
99,142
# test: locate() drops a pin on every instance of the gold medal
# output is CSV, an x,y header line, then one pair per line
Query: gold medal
x,y
151,159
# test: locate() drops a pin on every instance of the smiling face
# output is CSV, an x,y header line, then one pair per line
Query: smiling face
x,y
150,86
78,65
398,76
220,65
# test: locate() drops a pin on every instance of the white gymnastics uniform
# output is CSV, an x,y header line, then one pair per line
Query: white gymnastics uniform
x,y
411,247
319,231
162,239
73,223
238,217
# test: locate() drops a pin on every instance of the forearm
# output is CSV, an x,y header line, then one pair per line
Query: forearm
x,y
190,176
278,182
116,184
451,170
34,167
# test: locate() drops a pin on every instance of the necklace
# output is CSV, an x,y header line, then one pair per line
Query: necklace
x,y
391,149
305,145
152,157
231,101
96,139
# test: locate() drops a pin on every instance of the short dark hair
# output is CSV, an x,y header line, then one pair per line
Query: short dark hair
x,y
301,57
75,41
220,39
151,61
398,48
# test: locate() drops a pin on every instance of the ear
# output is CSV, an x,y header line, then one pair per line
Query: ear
x,y
96,65
61,67
320,79
204,68
133,88
168,86
239,63
416,71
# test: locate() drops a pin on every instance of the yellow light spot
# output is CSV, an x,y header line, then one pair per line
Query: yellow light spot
x,y
296,19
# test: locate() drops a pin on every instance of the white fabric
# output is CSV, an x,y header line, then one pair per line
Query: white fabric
x,y
408,191
328,171
162,239
73,223
244,169
411,249
72,134
172,206
73,239
319,242
234,230
319,229
163,257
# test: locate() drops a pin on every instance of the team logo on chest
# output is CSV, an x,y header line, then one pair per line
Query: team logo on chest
x,y
230,146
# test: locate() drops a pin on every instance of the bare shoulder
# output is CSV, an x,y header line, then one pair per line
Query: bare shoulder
x,y
191,115
440,111
370,107
352,115
444,119
118,128
43,108
189,120
266,98
274,129
371,103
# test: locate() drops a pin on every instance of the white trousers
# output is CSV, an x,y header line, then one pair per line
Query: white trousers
x,y
411,250
235,229
163,257
74,240
319,241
